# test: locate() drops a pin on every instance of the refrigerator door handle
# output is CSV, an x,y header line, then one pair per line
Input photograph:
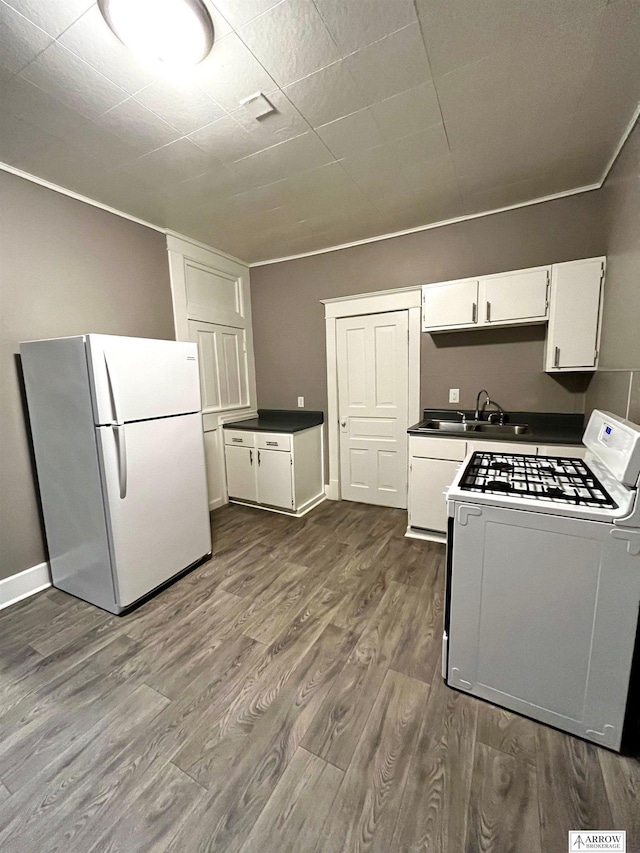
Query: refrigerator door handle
x,y
113,392
121,442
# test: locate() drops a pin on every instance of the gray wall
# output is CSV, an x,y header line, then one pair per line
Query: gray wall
x,y
616,386
289,321
66,268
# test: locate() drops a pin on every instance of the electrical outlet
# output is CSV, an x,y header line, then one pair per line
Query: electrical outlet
x,y
454,395
301,402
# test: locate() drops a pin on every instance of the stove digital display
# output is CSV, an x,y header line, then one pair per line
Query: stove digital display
x,y
606,434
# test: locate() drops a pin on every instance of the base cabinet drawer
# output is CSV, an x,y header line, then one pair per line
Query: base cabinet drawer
x,y
273,441
429,479
239,437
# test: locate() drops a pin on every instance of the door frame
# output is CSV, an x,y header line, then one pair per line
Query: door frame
x,y
402,299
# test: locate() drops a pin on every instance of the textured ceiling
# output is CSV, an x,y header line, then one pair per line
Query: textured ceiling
x,y
391,114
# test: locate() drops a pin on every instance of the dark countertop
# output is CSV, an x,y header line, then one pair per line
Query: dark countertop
x,y
279,420
546,427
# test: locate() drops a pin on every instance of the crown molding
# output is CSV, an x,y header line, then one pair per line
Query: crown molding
x,y
440,224
78,197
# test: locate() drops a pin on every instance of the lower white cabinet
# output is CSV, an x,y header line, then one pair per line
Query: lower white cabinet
x,y
214,460
274,476
282,471
433,465
241,477
429,479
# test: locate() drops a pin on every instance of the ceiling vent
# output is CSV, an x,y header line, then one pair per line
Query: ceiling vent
x,y
258,106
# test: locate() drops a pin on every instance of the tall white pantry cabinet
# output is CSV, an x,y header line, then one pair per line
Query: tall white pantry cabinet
x,y
212,307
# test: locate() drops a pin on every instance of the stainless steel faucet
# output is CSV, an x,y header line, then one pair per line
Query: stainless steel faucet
x,y
476,415
488,402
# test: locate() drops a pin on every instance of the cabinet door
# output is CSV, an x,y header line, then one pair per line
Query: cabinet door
x,y
214,456
224,368
241,473
449,305
517,296
574,317
428,480
275,484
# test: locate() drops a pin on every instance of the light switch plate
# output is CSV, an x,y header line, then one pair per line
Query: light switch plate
x,y
454,395
301,402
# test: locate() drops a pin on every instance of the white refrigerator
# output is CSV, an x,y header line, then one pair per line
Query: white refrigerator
x,y
118,444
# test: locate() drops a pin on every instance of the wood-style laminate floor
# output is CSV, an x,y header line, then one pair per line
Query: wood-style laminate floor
x,y
285,696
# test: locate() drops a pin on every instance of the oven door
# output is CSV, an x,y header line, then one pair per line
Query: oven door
x,y
542,617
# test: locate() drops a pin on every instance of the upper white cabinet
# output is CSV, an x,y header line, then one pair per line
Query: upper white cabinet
x,y
514,297
575,318
506,299
453,304
569,295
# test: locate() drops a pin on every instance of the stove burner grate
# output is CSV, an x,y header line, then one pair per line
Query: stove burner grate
x,y
546,478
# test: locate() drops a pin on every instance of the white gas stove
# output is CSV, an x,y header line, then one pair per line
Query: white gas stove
x,y
543,581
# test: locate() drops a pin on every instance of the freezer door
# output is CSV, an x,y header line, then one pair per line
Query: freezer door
x,y
135,379
156,499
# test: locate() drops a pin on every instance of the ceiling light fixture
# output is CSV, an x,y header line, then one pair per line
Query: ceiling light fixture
x,y
175,32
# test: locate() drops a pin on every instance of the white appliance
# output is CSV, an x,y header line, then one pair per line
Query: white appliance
x,y
117,435
543,581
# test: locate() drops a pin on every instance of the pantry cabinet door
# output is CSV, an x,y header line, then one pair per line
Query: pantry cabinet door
x,y
224,374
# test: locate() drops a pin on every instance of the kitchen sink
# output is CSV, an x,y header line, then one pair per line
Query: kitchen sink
x,y
449,426
475,426
502,429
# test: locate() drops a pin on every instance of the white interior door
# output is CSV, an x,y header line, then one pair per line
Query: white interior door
x,y
156,496
373,376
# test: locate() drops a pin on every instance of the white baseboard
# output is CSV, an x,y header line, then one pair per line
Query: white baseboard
x,y
24,584
332,491
426,536
216,503
304,509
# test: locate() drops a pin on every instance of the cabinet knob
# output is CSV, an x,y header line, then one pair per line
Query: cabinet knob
x,y
556,358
